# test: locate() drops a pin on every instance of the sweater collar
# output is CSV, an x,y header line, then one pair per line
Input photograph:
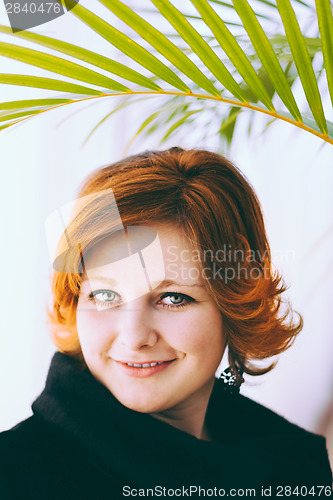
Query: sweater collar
x,y
137,448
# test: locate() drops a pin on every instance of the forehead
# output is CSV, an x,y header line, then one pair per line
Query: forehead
x,y
156,252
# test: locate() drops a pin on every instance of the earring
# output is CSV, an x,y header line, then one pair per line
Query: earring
x,y
231,380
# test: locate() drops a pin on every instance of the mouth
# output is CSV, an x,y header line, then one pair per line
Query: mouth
x,y
146,369
146,365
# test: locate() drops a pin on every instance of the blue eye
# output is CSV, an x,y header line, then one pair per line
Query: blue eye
x,y
104,298
176,300
107,299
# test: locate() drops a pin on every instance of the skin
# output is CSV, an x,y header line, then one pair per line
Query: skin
x,y
135,320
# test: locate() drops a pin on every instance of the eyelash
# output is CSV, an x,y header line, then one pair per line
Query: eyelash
x,y
107,305
188,300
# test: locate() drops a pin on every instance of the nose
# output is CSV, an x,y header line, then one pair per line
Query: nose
x,y
134,327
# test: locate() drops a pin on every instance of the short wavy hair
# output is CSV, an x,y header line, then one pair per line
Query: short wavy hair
x,y
213,203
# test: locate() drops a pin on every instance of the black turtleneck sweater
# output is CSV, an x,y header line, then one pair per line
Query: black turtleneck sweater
x,y
81,444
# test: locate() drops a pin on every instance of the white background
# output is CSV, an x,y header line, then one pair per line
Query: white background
x,y
42,165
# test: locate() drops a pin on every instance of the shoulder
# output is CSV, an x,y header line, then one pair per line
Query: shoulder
x,y
17,438
262,420
249,426
247,418
292,449
36,442
253,420
19,467
24,438
25,447
33,456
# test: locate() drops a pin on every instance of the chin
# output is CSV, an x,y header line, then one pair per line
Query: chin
x,y
144,408
142,404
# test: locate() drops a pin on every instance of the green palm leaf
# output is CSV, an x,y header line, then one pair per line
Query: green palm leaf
x,y
302,62
13,116
33,103
252,66
199,46
178,123
267,56
59,66
325,21
161,43
233,50
126,45
87,56
39,82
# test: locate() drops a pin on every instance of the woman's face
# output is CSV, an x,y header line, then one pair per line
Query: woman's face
x,y
160,313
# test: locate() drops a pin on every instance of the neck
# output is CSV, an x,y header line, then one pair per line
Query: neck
x,y
189,416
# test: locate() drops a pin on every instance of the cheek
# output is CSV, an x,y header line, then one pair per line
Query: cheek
x,y
93,329
196,333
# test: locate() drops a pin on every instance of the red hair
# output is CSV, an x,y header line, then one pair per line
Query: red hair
x,y
216,207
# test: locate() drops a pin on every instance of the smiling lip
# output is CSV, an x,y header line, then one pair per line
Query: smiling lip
x,y
142,370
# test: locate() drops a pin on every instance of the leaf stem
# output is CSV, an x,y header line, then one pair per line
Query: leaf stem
x,y
233,102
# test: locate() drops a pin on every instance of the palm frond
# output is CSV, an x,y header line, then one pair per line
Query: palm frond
x,y
128,46
210,66
87,56
325,21
60,66
199,47
267,56
302,62
161,43
39,82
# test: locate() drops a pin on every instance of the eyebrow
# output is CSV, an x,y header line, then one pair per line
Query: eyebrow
x,y
155,284
166,283
111,281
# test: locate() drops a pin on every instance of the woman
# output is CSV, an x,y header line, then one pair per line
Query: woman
x,y
164,264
